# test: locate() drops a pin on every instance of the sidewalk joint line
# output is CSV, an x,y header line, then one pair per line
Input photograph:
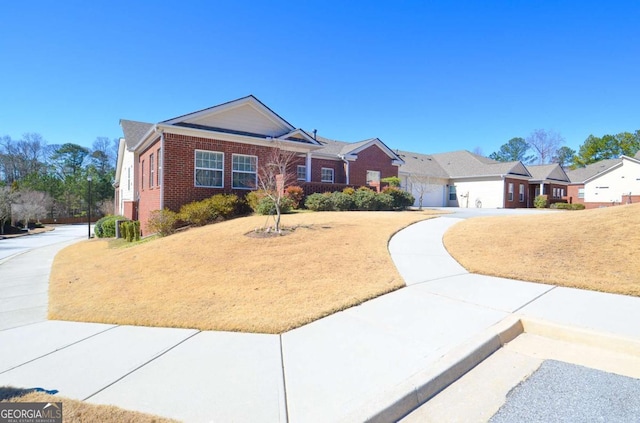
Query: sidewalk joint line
x,y
59,349
160,354
536,298
284,381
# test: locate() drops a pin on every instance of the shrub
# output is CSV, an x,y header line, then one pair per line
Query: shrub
x,y
319,202
540,202
253,198
401,199
136,228
267,206
567,206
106,226
383,201
219,206
163,222
342,201
196,213
349,191
295,194
393,181
365,199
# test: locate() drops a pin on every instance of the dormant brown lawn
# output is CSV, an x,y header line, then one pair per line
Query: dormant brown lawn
x,y
217,278
595,249
78,411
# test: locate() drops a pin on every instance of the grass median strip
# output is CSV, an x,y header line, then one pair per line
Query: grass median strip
x,y
217,278
596,249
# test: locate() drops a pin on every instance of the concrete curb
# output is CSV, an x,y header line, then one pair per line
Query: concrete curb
x,y
399,401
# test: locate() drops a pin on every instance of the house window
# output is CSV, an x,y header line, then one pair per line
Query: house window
x,y
159,168
452,193
373,176
301,171
522,193
129,178
142,173
209,169
326,175
510,191
151,170
244,171
561,192
555,193
580,192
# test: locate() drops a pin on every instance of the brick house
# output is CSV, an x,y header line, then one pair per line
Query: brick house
x,y
220,149
605,183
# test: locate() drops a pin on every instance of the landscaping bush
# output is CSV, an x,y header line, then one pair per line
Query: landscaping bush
x,y
349,191
383,201
393,181
106,226
295,194
266,206
567,206
319,202
219,206
253,198
540,202
342,201
365,199
401,199
163,222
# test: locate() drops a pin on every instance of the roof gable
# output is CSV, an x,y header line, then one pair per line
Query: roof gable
x,y
548,172
247,116
581,174
355,148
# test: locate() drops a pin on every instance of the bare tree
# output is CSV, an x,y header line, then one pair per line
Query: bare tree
x,y
420,185
30,205
6,199
274,175
545,144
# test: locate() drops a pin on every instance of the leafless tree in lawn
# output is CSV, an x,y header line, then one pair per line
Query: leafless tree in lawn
x,y
545,143
30,205
274,175
6,199
420,185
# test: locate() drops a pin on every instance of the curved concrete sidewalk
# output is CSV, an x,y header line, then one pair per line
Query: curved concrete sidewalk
x,y
346,367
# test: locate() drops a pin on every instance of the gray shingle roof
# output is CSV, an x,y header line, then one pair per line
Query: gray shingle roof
x,y
421,164
581,174
551,171
134,131
461,164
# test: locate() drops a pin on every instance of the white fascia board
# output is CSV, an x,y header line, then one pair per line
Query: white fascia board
x,y
299,132
121,148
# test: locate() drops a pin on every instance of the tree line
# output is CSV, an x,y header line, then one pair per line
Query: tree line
x,y
544,147
40,180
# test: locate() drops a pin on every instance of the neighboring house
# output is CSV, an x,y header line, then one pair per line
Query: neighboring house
x,y
464,179
220,149
606,183
550,180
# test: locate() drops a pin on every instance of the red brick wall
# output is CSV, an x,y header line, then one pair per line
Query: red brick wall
x,y
372,158
516,203
179,167
572,194
149,195
337,166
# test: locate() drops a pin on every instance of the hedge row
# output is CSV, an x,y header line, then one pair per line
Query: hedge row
x,y
361,199
567,206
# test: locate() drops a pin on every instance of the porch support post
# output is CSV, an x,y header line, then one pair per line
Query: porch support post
x,y
308,167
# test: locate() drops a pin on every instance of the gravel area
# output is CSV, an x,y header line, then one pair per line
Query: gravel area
x,y
563,392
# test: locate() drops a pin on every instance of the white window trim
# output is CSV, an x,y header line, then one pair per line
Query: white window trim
x,y
196,168
510,191
255,182
333,175
304,173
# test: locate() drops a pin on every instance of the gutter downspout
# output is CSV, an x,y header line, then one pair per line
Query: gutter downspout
x,y
346,168
161,170
308,167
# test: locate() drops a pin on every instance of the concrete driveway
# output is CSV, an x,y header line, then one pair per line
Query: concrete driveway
x,y
25,264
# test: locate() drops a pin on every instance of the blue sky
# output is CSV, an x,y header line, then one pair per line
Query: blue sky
x,y
424,76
